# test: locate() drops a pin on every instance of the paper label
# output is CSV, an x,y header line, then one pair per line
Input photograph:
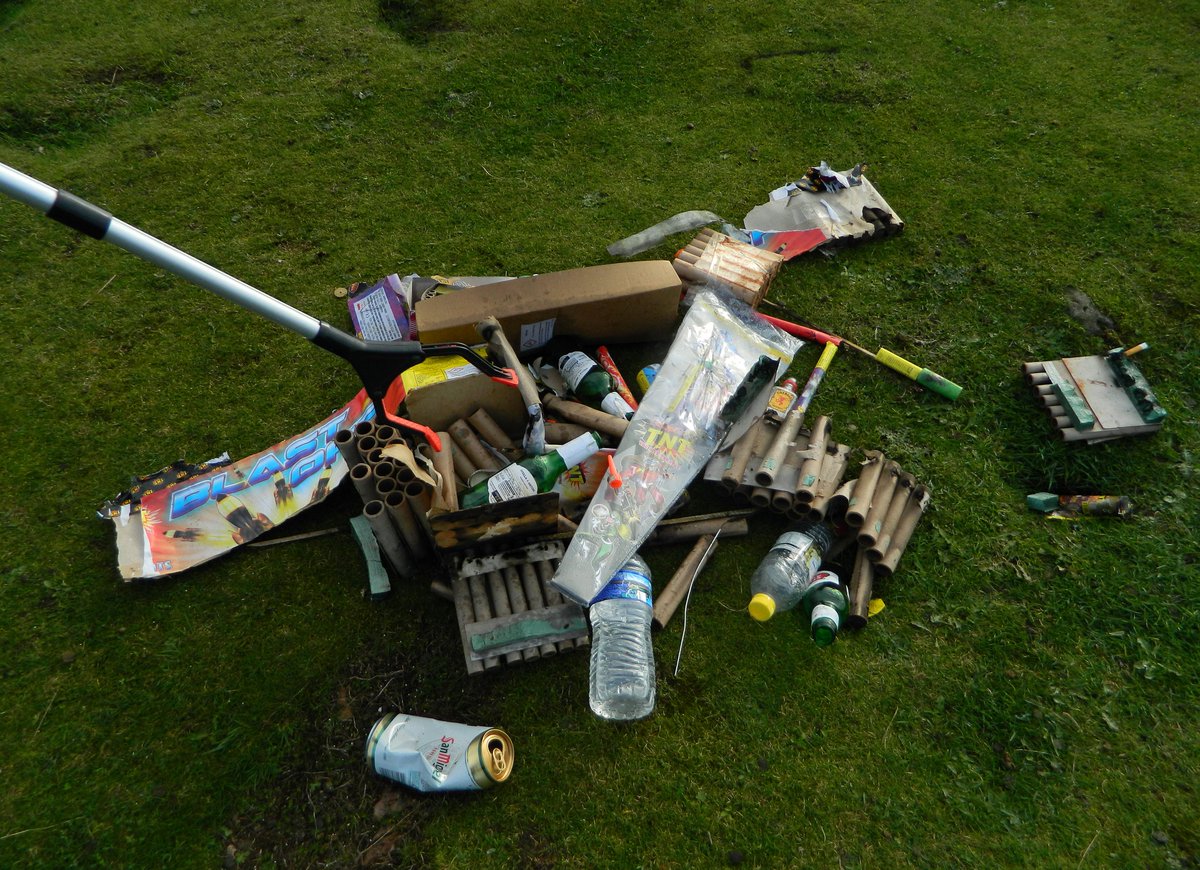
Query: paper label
x,y
574,367
536,334
511,482
615,405
627,583
802,548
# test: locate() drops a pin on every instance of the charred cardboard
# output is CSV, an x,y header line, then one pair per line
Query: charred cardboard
x,y
611,303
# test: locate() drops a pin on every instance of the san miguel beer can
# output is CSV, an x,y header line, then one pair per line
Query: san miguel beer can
x,y
430,755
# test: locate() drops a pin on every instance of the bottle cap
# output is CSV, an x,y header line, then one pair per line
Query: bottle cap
x,y
762,607
824,624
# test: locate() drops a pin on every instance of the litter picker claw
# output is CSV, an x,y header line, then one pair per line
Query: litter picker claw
x,y
378,364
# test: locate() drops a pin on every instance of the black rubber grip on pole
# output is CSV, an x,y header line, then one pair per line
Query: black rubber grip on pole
x,y
80,215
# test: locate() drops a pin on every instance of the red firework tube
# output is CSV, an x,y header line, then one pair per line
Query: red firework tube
x,y
610,366
806,332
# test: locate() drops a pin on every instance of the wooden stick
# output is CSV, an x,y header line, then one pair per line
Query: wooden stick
x,y
690,530
677,587
561,433
535,436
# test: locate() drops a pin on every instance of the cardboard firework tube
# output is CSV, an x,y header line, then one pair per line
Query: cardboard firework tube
x,y
384,469
386,435
384,486
466,439
501,607
534,599
862,584
364,428
760,497
491,331
363,479
605,424
881,500
561,433
860,500
673,593
402,515
676,532
782,500
739,456
388,538
374,457
810,468
344,442
883,537
441,590
365,445
489,430
446,496
519,604
777,452
545,571
916,506
463,466
1039,378
420,500
483,611
836,509
833,468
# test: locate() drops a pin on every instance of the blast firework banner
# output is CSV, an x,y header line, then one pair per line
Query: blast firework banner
x,y
185,515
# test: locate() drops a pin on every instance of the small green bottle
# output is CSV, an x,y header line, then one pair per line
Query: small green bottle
x,y
531,475
587,378
826,606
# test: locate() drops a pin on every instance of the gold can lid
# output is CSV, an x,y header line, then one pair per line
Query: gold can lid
x,y
490,758
373,739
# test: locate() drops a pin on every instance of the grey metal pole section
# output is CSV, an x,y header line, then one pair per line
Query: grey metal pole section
x,y
87,218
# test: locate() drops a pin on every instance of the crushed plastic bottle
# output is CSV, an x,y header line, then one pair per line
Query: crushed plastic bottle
x,y
780,580
622,659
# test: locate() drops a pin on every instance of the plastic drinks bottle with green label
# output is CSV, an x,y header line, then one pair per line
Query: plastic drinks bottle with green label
x,y
780,580
826,605
531,475
622,664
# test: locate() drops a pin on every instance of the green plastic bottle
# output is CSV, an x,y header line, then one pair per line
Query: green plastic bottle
x,y
531,475
826,606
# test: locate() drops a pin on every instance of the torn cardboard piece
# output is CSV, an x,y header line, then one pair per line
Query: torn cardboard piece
x,y
171,527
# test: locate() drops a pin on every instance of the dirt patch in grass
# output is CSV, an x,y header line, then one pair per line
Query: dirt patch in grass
x,y
418,21
1081,307
326,808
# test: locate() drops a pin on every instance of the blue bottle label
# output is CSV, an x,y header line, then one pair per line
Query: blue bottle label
x,y
627,583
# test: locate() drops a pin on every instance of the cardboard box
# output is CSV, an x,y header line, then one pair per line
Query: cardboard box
x,y
613,303
443,389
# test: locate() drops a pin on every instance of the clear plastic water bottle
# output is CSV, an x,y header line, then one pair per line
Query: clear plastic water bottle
x,y
780,580
826,605
622,664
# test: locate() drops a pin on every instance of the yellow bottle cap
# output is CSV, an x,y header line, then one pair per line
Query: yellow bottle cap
x,y
762,607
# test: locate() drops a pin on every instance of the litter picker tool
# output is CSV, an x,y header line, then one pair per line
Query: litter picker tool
x,y
378,364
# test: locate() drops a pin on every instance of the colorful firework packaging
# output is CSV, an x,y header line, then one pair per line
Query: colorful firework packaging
x,y
721,365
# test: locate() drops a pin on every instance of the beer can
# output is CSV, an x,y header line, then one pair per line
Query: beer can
x,y
430,755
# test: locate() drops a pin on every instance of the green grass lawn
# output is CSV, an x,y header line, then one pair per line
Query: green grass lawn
x,y
1029,695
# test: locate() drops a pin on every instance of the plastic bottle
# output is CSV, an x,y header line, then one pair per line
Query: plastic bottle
x,y
622,663
780,580
826,606
531,475
592,385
